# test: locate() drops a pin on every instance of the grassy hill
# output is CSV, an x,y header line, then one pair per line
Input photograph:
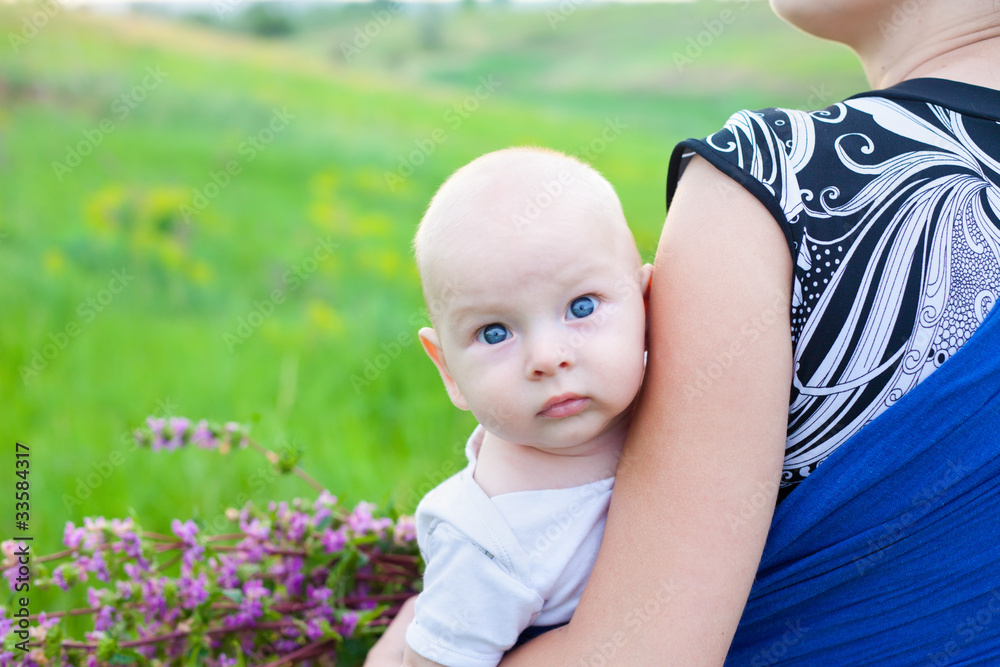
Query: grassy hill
x,y
199,222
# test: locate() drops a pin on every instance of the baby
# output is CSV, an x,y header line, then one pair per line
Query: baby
x,y
537,296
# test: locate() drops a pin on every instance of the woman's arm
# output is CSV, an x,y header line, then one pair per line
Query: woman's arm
x,y
698,479
389,650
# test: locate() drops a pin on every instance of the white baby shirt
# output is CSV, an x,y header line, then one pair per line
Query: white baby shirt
x,y
497,565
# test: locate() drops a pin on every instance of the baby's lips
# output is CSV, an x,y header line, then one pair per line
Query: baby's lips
x,y
565,405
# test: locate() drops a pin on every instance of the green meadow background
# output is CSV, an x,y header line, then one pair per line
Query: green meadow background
x,y
191,325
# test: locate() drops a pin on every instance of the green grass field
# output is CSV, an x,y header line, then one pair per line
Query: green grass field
x,y
162,184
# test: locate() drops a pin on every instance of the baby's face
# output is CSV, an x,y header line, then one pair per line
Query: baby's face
x,y
544,333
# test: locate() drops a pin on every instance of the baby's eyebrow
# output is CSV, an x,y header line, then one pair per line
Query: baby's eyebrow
x,y
473,311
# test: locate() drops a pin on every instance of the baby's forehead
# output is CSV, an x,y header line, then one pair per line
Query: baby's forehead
x,y
536,271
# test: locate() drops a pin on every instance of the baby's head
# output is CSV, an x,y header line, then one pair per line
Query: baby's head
x,y
537,294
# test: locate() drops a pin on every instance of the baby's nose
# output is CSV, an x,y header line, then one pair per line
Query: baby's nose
x,y
548,357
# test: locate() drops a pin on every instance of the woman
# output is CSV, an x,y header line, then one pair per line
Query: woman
x,y
772,345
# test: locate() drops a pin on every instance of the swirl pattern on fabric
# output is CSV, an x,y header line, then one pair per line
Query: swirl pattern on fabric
x,y
890,202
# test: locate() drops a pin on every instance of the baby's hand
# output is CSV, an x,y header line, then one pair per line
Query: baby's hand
x,y
388,651
412,659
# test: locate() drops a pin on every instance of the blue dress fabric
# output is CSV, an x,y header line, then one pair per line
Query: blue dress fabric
x,y
890,553
890,204
888,550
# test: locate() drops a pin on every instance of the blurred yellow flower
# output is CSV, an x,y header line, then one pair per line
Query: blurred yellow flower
x,y
384,261
199,272
323,215
369,179
54,261
323,182
323,317
103,209
373,225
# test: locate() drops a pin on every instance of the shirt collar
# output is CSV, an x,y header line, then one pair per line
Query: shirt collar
x,y
965,98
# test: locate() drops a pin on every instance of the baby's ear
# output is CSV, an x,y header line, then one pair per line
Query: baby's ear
x,y
432,346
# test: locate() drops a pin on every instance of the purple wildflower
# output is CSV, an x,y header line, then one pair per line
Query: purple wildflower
x,y
320,515
124,589
325,499
313,629
59,578
178,427
334,540
297,525
348,622
227,576
255,528
360,520
97,565
203,436
405,531
283,646
188,531
72,536
251,608
93,597
156,425
192,591
105,619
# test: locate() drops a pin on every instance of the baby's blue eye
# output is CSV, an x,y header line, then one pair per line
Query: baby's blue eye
x,y
492,334
581,307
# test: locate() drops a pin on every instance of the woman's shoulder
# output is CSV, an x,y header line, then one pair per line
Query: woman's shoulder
x,y
787,157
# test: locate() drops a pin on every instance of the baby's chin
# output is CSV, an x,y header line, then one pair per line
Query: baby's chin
x,y
574,432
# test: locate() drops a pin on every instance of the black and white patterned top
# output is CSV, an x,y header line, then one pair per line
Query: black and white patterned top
x,y
890,203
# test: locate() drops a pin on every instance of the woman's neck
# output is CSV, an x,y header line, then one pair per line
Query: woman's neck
x,y
967,51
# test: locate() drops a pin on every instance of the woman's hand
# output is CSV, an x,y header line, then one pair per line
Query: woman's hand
x,y
699,475
389,650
